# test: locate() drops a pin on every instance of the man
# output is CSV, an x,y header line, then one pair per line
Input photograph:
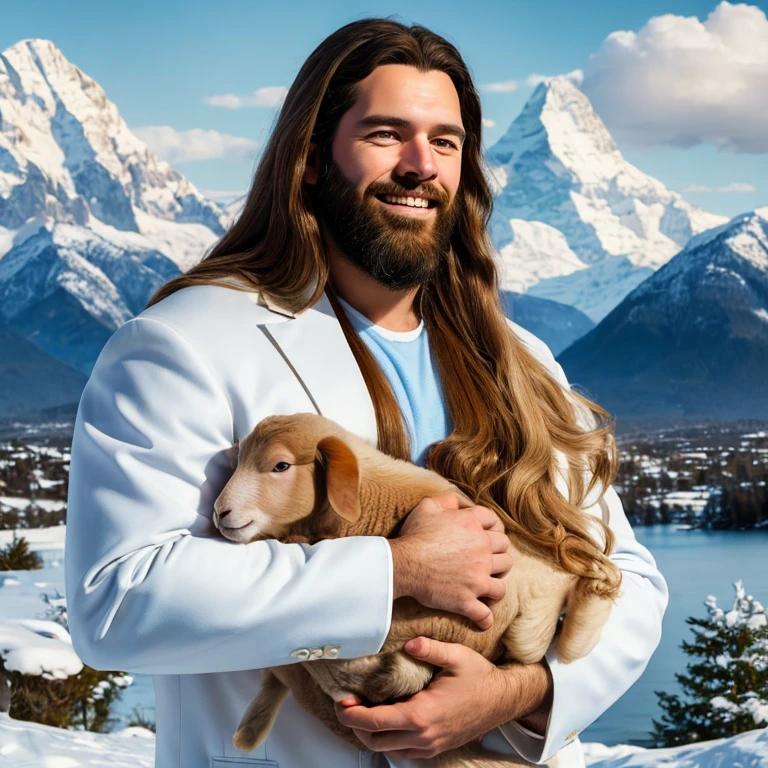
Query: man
x,y
366,216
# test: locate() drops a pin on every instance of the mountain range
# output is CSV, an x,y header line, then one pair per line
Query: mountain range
x,y
690,342
92,222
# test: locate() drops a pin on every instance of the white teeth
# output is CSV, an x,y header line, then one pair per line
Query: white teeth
x,y
411,202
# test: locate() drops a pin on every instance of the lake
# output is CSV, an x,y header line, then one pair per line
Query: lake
x,y
695,564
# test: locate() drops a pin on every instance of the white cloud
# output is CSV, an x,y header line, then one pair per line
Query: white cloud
x,y
271,96
738,186
576,76
508,86
195,144
734,186
488,123
683,82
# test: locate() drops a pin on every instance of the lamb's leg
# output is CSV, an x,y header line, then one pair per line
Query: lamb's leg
x,y
311,698
529,636
585,615
261,713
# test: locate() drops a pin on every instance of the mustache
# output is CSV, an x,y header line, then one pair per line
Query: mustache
x,y
391,188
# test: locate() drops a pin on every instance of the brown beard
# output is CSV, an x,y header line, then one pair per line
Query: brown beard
x,y
398,251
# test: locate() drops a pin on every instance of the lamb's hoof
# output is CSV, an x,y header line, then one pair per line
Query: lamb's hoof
x,y
245,739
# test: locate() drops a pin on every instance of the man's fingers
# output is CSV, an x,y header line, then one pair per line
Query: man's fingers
x,y
488,519
447,500
481,614
499,542
391,741
387,717
496,589
433,651
501,564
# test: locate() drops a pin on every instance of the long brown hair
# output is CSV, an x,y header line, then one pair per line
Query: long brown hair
x,y
510,416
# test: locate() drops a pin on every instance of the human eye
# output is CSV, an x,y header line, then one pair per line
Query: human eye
x,y
384,135
447,144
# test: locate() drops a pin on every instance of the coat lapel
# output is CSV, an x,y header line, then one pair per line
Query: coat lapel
x,y
315,348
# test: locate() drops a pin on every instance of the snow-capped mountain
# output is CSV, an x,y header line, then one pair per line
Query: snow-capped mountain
x,y
66,155
32,381
557,325
692,340
68,288
568,204
91,221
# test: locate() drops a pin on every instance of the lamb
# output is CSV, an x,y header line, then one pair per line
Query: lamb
x,y
303,478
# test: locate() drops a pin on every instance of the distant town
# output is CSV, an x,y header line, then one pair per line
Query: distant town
x,y
712,476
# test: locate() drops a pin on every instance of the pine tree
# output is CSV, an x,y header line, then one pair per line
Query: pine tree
x,y
726,683
17,556
82,701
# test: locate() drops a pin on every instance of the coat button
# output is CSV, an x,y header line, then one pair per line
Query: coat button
x,y
571,735
330,651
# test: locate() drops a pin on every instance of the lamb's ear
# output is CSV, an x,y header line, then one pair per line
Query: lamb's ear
x,y
342,478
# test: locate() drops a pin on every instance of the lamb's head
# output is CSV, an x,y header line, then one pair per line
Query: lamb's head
x,y
289,468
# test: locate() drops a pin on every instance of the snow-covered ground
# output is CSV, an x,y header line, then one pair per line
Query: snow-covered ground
x,y
747,750
31,745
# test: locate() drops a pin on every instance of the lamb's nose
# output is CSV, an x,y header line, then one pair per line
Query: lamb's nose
x,y
223,513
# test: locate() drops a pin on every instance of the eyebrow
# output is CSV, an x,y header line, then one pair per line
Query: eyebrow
x,y
398,122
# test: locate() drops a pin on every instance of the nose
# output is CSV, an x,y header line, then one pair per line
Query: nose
x,y
219,512
416,160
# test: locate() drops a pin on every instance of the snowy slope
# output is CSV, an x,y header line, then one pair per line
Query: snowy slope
x,y
747,749
68,288
30,744
66,153
692,340
24,745
558,165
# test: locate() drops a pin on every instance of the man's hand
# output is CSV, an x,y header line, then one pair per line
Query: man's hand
x,y
446,558
468,698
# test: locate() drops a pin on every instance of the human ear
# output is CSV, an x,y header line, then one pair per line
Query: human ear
x,y
312,171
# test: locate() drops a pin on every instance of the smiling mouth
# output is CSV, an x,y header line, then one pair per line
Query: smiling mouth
x,y
406,201
234,528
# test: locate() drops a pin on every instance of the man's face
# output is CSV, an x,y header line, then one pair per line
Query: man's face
x,y
388,194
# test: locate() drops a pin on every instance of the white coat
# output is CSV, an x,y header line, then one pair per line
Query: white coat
x,y
152,587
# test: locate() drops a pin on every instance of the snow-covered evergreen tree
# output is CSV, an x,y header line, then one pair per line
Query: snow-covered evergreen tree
x,y
726,684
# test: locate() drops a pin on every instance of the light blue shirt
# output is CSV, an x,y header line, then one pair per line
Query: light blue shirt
x,y
406,359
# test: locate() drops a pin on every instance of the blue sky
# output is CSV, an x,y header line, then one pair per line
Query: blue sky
x,y
159,61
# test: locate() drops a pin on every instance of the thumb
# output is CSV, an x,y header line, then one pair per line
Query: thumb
x,y
447,500
434,651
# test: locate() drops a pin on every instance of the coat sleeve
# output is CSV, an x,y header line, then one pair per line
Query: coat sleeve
x,y
151,587
587,687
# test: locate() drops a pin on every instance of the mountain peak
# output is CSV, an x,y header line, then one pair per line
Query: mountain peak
x,y
65,146
37,45
558,118
558,166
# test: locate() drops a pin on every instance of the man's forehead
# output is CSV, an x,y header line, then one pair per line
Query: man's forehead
x,y
396,89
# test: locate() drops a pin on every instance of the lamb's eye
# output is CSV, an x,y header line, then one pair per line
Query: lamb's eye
x,y
281,466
